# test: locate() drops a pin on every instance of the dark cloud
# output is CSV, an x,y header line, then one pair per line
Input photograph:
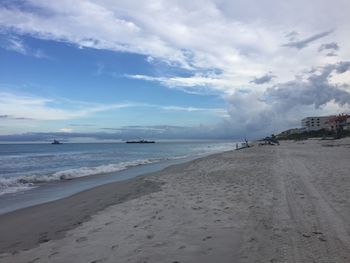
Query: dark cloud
x,y
305,42
331,54
264,79
14,118
315,90
23,118
329,46
292,35
283,105
342,67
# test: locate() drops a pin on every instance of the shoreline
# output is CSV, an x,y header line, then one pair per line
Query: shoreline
x,y
56,190
28,227
287,203
28,168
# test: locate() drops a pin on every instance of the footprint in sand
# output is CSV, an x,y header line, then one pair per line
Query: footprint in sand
x,y
96,230
114,247
206,238
159,244
306,235
99,260
34,260
81,239
53,254
43,239
150,236
77,223
322,238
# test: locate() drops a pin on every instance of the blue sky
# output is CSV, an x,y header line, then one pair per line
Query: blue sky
x,y
71,76
170,69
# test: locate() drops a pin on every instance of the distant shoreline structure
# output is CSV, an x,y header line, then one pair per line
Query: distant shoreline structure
x,y
326,127
140,141
56,142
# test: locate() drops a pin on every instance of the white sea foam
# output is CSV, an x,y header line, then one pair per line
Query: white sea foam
x,y
12,185
20,183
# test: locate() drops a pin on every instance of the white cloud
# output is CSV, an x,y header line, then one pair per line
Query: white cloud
x,y
28,107
242,40
14,44
199,35
40,108
198,83
17,45
67,130
217,111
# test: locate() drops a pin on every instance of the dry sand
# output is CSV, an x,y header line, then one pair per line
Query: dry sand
x,y
288,203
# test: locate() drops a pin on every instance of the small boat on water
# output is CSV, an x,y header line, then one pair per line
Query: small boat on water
x,y
56,142
140,141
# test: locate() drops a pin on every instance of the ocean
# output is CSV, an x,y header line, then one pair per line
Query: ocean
x,y
27,166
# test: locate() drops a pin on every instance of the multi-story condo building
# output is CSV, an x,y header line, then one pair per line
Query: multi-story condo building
x,y
316,123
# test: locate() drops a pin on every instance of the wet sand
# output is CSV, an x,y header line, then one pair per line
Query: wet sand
x,y
288,203
27,228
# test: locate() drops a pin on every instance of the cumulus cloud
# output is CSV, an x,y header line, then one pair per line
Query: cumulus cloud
x,y
305,42
240,39
315,90
284,104
177,33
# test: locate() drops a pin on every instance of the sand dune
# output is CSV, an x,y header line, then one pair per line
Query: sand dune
x,y
288,203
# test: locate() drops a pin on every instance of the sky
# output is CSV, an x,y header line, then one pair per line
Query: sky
x,y
208,69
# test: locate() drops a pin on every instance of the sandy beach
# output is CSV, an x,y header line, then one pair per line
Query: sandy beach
x,y
287,203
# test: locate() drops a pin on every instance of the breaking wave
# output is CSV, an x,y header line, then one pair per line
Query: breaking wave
x,y
16,184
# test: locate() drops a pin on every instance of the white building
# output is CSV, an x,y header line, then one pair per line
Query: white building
x,y
347,125
316,123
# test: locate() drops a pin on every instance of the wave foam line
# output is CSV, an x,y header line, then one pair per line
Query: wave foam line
x,y
15,184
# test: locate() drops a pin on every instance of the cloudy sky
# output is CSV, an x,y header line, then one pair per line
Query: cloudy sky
x,y
109,69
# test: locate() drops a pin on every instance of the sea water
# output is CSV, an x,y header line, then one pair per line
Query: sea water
x,y
27,166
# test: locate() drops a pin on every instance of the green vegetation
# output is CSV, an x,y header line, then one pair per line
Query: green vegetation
x,y
315,134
